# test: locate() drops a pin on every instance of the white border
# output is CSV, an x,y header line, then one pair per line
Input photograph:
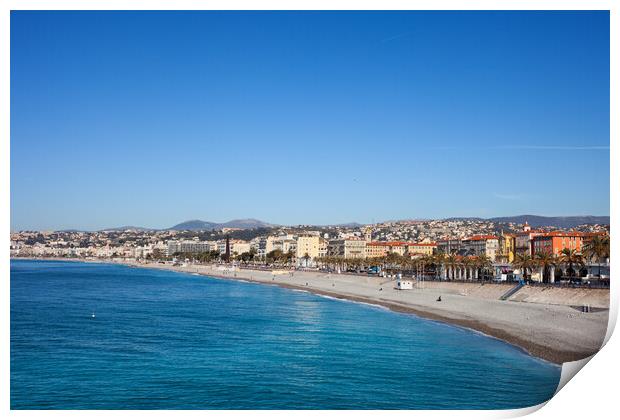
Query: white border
x,y
591,395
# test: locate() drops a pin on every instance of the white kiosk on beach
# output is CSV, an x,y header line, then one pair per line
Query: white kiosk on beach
x,y
404,285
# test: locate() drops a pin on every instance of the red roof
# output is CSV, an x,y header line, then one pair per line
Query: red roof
x,y
531,232
561,234
398,243
481,237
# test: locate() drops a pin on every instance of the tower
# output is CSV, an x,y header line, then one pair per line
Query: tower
x,y
227,254
368,234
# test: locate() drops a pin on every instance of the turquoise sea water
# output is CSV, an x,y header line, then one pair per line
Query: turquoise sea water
x,y
165,340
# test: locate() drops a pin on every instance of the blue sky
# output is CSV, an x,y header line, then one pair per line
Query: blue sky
x,y
152,118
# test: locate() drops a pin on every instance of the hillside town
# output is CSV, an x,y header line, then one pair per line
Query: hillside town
x,y
459,249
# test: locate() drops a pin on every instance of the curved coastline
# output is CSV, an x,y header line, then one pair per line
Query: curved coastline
x,y
538,351
536,348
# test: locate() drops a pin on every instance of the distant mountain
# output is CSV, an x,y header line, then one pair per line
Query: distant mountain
x,y
350,225
564,222
123,228
244,224
232,224
194,225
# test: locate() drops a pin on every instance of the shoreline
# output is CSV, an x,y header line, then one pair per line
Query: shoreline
x,y
539,352
479,314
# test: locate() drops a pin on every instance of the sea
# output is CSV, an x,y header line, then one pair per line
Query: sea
x,y
105,336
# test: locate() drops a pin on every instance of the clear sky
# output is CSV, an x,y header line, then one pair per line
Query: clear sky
x,y
153,118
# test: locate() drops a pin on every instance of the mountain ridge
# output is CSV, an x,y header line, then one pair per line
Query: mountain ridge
x,y
563,222
231,224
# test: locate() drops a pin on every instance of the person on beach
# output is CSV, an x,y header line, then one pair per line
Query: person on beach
x,y
439,299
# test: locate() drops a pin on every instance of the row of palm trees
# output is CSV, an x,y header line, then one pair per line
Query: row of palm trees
x,y
450,267
594,250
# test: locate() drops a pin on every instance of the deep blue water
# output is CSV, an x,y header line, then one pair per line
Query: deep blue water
x,y
165,340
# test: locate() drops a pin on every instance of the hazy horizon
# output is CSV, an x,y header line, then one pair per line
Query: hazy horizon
x,y
154,118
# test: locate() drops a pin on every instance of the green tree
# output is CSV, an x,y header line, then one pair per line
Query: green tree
x,y
451,262
274,257
523,262
546,262
571,258
596,249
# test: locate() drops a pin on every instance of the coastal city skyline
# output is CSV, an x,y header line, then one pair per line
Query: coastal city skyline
x,y
308,210
378,116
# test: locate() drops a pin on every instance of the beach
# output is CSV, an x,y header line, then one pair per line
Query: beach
x,y
552,327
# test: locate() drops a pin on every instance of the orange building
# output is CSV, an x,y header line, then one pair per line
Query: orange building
x,y
555,242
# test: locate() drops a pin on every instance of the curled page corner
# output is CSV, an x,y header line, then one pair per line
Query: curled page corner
x,y
613,316
521,412
569,370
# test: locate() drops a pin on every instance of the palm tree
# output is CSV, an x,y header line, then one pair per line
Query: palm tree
x,y
425,261
483,262
451,263
306,258
545,261
523,262
596,248
471,265
438,261
571,257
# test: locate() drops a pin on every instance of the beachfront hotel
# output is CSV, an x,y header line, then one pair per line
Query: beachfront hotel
x,y
309,248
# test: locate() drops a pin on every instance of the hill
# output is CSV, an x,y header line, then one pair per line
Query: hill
x,y
233,224
123,228
563,222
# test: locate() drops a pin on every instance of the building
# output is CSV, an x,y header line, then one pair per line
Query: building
x,y
377,249
554,242
481,245
284,243
449,246
381,249
523,240
237,246
507,248
421,249
348,248
259,244
397,247
311,245
190,247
